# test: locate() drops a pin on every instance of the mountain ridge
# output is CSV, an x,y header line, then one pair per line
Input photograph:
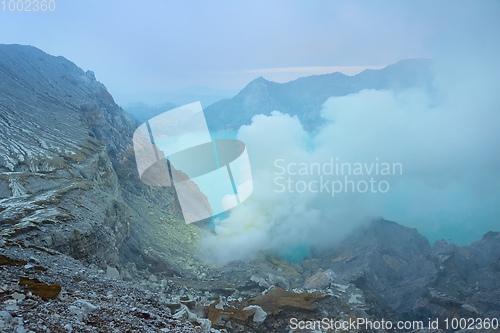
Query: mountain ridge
x,y
68,178
305,96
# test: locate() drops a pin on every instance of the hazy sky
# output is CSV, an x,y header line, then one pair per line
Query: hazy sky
x,y
157,45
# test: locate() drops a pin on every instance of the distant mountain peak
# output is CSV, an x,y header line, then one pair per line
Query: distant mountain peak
x,y
258,81
304,97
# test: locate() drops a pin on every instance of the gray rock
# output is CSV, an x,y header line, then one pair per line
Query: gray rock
x,y
78,312
259,314
5,318
205,325
82,309
112,273
12,307
18,296
21,329
86,306
181,314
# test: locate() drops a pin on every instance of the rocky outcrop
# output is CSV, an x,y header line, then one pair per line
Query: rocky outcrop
x,y
68,179
402,277
484,277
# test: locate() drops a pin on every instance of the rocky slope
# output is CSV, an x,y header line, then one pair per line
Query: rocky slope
x,y
305,96
68,179
385,271
85,246
55,293
403,277
45,291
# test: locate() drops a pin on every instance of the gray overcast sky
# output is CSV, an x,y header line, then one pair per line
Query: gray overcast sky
x,y
145,46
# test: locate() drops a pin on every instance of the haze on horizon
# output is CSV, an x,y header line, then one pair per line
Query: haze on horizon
x,y
138,48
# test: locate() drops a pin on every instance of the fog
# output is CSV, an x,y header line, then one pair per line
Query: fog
x,y
445,137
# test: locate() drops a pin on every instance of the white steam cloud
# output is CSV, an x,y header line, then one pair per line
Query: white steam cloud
x,y
445,137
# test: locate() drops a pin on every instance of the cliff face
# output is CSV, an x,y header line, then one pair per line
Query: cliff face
x,y
402,275
68,178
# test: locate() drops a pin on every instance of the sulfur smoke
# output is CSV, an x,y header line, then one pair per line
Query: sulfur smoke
x,y
445,137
